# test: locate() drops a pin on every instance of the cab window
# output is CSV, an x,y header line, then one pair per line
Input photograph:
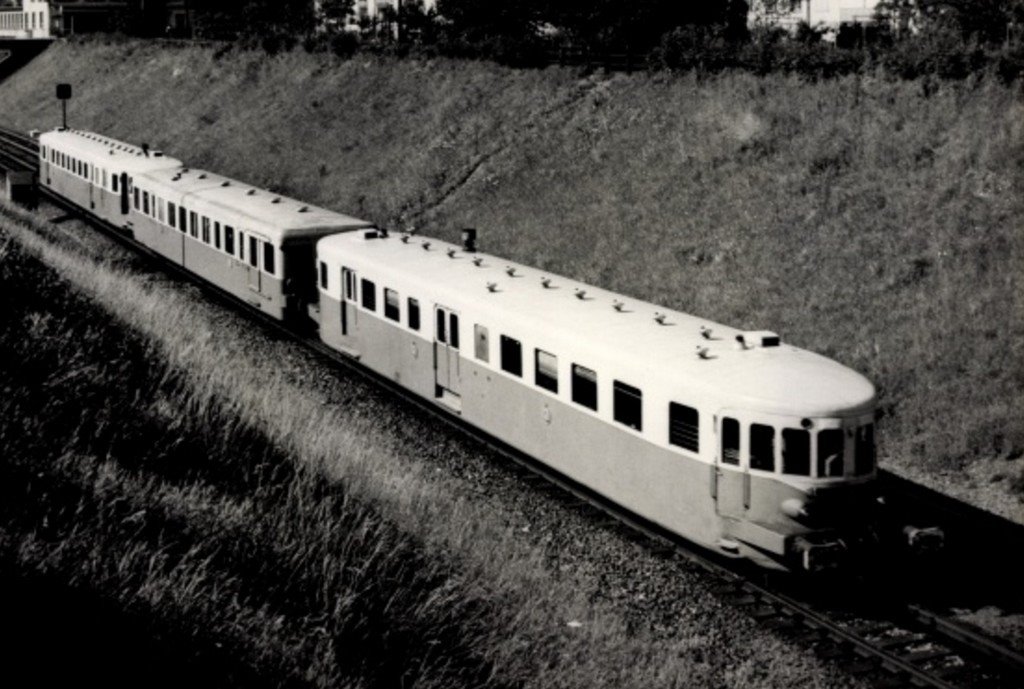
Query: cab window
x,y
584,386
627,405
762,447
864,459
730,441
830,452
796,452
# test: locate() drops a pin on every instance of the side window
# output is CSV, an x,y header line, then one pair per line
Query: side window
x,y
762,447
269,258
796,452
830,452
349,279
414,314
453,330
241,245
584,386
441,326
145,202
684,427
730,441
254,257
511,355
193,224
182,222
137,203
546,370
114,182
172,214
229,239
864,459
323,274
206,229
369,295
391,308
481,343
627,405
216,235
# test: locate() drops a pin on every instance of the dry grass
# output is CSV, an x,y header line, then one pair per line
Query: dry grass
x,y
238,511
878,222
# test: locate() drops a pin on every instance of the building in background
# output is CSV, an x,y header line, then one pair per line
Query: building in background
x,y
85,16
821,14
371,9
25,19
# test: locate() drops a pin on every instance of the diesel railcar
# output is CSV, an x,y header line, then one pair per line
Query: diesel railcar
x,y
735,440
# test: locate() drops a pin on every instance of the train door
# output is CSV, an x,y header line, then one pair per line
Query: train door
x,y
125,191
349,313
253,258
446,351
91,179
732,480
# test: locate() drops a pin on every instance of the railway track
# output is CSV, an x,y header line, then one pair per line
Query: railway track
x,y
881,634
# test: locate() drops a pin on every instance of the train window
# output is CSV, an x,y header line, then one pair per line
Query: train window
x,y
684,427
254,256
864,456
391,309
172,214
145,202
830,452
114,183
369,295
137,204
453,330
104,179
323,274
229,239
86,170
627,405
414,314
796,452
584,386
205,224
545,370
441,326
762,447
730,441
241,245
481,343
159,205
269,258
181,218
511,355
193,224
216,235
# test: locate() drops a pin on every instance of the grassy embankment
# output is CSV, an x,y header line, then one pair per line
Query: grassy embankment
x,y
159,468
877,222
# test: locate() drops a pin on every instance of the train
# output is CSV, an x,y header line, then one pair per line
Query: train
x,y
734,440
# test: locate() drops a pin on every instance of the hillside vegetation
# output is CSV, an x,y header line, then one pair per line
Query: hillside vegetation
x,y
875,221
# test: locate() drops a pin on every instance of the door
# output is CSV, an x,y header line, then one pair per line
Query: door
x,y
92,187
732,481
253,256
348,299
125,205
446,350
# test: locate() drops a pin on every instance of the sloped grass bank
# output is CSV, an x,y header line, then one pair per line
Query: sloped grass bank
x,y
157,460
872,220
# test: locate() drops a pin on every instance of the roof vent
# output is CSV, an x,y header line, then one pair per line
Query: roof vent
x,y
202,176
303,209
158,154
469,240
618,305
705,332
426,246
581,293
370,234
492,286
511,271
757,338
405,238
251,192
702,353
451,253
145,150
546,282
659,318
225,183
478,261
276,199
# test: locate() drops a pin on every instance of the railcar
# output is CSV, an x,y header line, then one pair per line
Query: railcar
x,y
735,440
256,245
732,439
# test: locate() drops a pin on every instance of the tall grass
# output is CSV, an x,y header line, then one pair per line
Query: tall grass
x,y
873,220
153,453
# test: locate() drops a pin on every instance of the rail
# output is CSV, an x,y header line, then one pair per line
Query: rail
x,y
906,644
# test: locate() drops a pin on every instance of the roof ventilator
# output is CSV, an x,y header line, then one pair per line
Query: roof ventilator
x,y
426,246
511,271
546,282
492,286
757,338
371,234
225,183
405,237
276,199
659,318
705,332
202,175
702,353
618,305
303,209
581,293
478,261
469,240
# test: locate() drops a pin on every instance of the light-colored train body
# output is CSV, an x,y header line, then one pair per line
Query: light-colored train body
x,y
732,439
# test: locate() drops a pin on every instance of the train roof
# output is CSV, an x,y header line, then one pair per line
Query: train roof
x,y
227,200
637,338
106,152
